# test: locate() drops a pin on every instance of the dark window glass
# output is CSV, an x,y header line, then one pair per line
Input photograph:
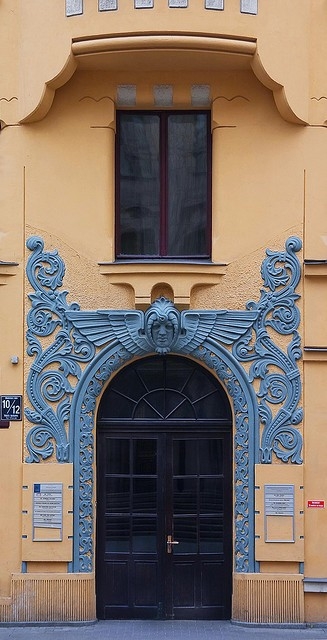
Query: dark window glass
x,y
120,405
167,389
145,456
186,534
144,495
211,495
211,456
211,535
185,457
117,534
117,455
144,536
187,184
185,495
162,186
117,495
139,192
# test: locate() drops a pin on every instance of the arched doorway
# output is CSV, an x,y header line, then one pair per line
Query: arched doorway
x,y
164,493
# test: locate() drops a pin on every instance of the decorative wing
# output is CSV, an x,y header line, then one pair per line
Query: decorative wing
x,y
224,326
104,326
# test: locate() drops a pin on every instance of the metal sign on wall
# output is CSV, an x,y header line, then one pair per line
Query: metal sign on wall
x,y
47,511
316,504
279,505
279,500
10,407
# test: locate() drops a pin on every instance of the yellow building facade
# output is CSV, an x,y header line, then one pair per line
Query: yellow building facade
x,y
163,262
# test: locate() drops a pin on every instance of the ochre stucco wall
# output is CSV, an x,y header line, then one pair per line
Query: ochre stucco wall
x,y
57,113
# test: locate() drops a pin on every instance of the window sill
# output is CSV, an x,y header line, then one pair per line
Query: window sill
x,y
144,276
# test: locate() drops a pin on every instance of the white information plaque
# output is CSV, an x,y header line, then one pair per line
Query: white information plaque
x,y
47,509
279,507
279,500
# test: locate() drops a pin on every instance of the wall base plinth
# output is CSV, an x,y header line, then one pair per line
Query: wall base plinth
x,y
50,598
268,598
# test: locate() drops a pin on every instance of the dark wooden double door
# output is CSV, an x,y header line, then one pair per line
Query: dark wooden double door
x,y
164,526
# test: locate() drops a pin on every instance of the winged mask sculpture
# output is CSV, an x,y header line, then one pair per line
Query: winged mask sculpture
x,y
162,328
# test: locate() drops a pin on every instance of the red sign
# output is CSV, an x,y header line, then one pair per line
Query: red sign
x,y
316,504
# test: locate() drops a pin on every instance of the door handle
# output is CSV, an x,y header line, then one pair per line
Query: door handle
x,y
170,543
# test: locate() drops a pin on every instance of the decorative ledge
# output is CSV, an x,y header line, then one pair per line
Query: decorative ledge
x,y
315,585
315,267
311,354
181,277
6,270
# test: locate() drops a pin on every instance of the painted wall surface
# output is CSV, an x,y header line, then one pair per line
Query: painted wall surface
x,y
62,78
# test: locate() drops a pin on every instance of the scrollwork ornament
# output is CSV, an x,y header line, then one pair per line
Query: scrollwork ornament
x,y
57,367
277,371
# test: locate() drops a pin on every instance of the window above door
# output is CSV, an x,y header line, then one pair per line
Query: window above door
x,y
163,185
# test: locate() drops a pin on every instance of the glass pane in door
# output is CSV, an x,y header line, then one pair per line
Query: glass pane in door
x,y
198,495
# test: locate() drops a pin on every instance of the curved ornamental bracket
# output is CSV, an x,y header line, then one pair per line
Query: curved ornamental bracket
x,y
69,373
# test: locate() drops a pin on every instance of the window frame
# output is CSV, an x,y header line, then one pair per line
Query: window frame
x,y
164,221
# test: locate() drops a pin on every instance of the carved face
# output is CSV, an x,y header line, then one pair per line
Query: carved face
x,y
162,334
162,322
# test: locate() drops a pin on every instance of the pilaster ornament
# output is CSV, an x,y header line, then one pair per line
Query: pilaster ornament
x,y
75,352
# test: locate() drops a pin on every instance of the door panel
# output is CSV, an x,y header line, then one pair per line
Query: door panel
x,y
151,489
127,527
201,524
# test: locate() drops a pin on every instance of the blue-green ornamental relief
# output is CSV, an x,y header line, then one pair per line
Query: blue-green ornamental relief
x,y
75,353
